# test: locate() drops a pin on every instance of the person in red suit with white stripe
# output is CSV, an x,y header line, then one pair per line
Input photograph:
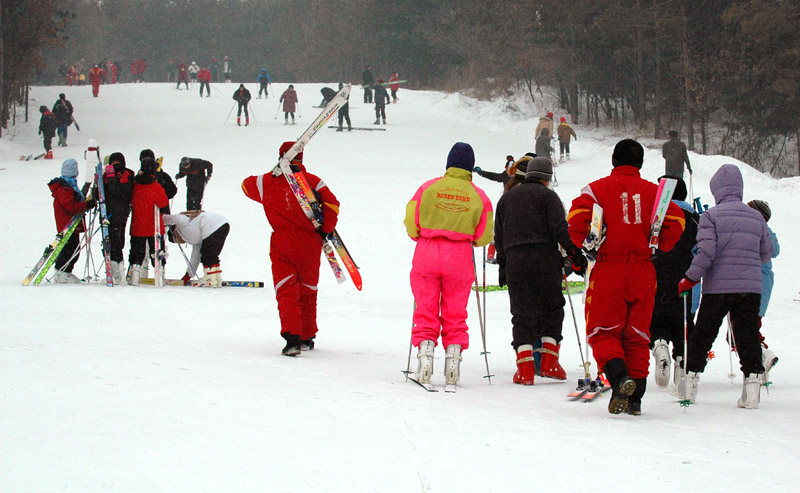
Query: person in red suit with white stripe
x,y
295,249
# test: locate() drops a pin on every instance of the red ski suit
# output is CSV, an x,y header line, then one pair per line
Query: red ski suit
x,y
295,247
622,286
95,75
146,193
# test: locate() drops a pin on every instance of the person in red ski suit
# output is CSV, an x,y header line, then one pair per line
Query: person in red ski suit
x,y
204,76
394,86
183,75
95,75
147,192
622,286
295,249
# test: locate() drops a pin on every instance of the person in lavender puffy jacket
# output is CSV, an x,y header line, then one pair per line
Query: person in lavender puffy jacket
x,y
732,242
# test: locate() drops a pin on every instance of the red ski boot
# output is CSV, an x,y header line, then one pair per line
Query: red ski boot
x,y
48,154
550,366
525,367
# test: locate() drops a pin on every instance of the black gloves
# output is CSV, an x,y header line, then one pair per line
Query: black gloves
x,y
501,281
578,262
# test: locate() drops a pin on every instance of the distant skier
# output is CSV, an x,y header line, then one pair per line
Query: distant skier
x,y
381,100
543,147
197,173
733,241
263,81
118,186
529,228
147,193
67,202
214,69
289,100
242,96
367,80
565,132
394,86
327,96
295,249
226,68
62,109
204,76
544,122
206,232
95,75
193,70
47,129
183,75
344,113
675,156
622,287
446,217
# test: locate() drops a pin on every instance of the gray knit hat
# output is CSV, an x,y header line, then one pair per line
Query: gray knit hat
x,y
540,168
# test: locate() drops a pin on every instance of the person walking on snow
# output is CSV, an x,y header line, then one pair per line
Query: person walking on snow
x,y
47,129
544,122
147,193
67,202
344,112
530,226
198,174
565,132
206,232
118,186
263,80
226,68
381,100
95,74
289,100
295,248
733,241
183,75
367,80
394,86
242,96
193,70
675,156
204,76
62,110
622,286
543,147
446,217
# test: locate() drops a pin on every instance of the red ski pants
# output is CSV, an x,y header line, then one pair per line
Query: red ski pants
x,y
295,274
619,307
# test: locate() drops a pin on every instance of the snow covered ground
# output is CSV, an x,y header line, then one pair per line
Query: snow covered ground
x,y
180,389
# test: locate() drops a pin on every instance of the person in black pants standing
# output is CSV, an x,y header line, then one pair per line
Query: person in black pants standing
x,y
197,173
381,100
344,113
367,80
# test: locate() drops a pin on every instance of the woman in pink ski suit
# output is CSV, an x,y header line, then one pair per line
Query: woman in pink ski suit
x,y
446,217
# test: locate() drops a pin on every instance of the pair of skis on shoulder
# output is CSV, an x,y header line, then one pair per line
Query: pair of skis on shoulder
x,y
308,201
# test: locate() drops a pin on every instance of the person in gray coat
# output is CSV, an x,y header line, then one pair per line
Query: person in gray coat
x,y
732,242
675,156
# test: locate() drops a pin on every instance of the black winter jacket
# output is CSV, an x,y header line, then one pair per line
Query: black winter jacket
x,y
118,189
381,96
195,171
530,214
671,266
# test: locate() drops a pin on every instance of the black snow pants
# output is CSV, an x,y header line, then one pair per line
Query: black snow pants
x,y
212,246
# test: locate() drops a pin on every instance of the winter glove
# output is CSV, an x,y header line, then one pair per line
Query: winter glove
x,y
177,176
501,280
110,171
477,169
208,179
685,286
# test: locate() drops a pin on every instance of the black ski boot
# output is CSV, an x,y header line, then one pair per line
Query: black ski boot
x,y
622,386
293,344
307,344
635,400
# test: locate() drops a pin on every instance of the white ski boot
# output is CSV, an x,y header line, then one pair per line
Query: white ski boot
x,y
135,274
751,391
677,371
687,389
661,356
768,359
117,268
425,357
452,366
65,278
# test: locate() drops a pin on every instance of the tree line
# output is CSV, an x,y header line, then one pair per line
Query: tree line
x,y
725,73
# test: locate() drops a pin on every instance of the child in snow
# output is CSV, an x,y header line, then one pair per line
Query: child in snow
x,y
768,358
263,80
47,129
295,249
147,194
381,100
118,186
529,227
622,286
732,242
543,147
206,232
197,173
289,100
447,216
666,324
67,202
502,176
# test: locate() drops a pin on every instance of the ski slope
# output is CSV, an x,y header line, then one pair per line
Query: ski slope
x,y
181,389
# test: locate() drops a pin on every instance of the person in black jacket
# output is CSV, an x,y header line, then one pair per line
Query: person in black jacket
x,y
47,129
530,225
501,177
62,109
327,95
162,177
242,96
118,186
367,79
197,173
668,311
381,100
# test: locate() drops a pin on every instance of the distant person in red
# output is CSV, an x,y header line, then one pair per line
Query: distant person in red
x,y
182,75
141,69
96,75
72,76
112,68
204,76
134,72
394,86
295,249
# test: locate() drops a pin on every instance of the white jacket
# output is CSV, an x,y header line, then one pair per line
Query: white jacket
x,y
195,230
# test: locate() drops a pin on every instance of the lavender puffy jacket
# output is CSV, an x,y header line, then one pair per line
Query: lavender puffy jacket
x,y
732,240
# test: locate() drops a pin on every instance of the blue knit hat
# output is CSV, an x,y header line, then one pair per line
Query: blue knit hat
x,y
461,156
69,168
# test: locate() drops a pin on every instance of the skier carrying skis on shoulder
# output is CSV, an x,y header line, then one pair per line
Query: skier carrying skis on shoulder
x,y
295,248
622,286
529,227
446,217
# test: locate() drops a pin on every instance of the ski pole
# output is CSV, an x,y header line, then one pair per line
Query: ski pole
x,y
586,365
731,348
410,342
480,319
684,394
192,270
229,113
691,187
277,110
252,112
484,286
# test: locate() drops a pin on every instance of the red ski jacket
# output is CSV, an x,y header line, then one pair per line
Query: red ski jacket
x,y
204,75
146,193
66,203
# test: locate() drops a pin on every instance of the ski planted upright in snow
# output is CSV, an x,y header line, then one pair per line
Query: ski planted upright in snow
x,y
306,198
101,203
158,255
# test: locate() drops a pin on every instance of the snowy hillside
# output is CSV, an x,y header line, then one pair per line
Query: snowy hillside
x,y
181,389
